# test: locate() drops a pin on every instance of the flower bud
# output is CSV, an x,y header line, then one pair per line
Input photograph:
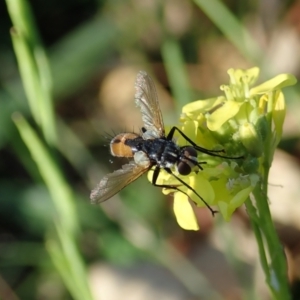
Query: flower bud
x,y
251,139
262,127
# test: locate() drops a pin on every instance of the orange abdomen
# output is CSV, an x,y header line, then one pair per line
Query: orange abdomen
x,y
118,146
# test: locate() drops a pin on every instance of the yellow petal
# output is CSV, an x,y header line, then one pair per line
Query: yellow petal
x,y
223,114
262,103
202,186
163,177
190,128
278,82
279,115
201,105
184,212
249,76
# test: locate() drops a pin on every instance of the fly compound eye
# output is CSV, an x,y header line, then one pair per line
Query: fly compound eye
x,y
184,168
187,161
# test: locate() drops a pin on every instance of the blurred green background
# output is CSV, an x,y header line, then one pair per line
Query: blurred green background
x,y
67,72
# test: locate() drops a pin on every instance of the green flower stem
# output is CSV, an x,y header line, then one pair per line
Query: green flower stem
x,y
276,271
252,212
271,251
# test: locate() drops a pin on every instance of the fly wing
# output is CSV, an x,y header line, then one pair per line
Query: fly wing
x,y
114,182
146,99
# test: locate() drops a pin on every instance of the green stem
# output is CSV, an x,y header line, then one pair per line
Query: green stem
x,y
252,212
271,251
276,273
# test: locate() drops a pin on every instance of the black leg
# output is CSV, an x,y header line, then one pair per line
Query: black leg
x,y
171,134
154,179
198,148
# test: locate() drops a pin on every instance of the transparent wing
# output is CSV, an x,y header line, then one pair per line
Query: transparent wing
x,y
112,183
146,99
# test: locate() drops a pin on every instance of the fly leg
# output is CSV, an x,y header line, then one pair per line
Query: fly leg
x,y
154,179
198,148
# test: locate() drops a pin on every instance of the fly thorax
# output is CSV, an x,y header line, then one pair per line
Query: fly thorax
x,y
170,155
135,144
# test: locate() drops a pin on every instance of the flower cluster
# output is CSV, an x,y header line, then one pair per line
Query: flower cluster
x,y
244,122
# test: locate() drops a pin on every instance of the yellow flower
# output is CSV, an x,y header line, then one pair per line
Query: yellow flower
x,y
244,122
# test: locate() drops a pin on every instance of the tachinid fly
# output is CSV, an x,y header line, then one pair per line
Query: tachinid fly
x,y
152,148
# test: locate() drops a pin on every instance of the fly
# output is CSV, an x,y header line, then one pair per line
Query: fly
x,y
151,148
